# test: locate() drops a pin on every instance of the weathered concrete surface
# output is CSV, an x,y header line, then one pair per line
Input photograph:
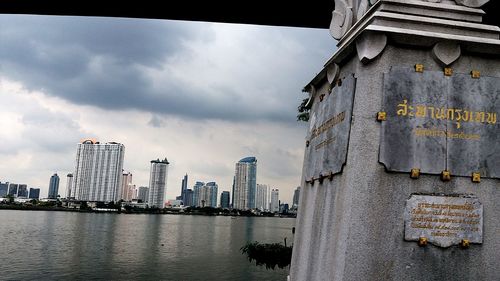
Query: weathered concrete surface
x,y
352,228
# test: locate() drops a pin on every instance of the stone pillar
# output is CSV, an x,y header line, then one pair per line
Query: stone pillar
x,y
389,194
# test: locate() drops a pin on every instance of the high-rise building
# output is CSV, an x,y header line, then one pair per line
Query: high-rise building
x,y
69,186
211,194
157,183
127,189
143,193
13,189
275,201
197,194
98,171
53,186
261,199
245,184
189,197
34,193
184,185
296,196
4,189
22,191
224,200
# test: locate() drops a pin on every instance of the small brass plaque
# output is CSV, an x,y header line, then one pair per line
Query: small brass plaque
x,y
419,67
415,173
475,74
381,116
448,71
476,177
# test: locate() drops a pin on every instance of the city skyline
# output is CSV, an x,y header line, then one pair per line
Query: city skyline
x,y
202,94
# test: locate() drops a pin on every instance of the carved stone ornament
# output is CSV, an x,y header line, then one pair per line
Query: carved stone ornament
x,y
446,52
369,45
348,12
312,94
472,3
332,72
341,18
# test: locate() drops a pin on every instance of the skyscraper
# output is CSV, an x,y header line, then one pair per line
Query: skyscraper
x,y
4,189
261,200
98,171
224,200
126,190
197,194
34,193
22,191
275,201
69,186
143,193
184,185
13,189
53,186
211,194
296,196
245,184
189,197
157,183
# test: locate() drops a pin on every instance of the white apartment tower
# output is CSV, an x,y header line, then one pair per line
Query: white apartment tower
x,y
157,183
69,186
245,184
275,201
261,198
98,171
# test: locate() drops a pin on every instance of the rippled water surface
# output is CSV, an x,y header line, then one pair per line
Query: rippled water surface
x,y
41,245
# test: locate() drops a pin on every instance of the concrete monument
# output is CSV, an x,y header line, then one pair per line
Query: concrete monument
x,y
401,175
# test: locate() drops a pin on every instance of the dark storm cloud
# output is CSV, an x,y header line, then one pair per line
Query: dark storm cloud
x,y
107,62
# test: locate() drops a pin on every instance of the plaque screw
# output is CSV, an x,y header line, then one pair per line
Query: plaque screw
x,y
475,74
448,71
422,241
419,67
464,243
381,116
415,173
445,175
476,177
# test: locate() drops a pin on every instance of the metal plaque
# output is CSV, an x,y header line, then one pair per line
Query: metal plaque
x,y
437,122
329,127
444,220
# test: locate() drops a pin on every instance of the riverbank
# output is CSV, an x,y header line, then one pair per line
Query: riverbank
x,y
205,211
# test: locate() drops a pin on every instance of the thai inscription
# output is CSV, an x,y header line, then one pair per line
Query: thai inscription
x,y
437,123
444,220
329,127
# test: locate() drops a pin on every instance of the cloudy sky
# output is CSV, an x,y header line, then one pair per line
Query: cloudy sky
x,y
204,95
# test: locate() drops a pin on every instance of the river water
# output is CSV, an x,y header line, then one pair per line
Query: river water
x,y
49,245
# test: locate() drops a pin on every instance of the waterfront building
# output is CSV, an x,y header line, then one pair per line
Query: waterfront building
x,y
98,171
53,186
197,189
69,186
224,199
245,184
22,191
261,198
284,208
4,189
296,196
127,188
143,193
184,185
211,194
157,183
275,201
34,193
13,189
189,197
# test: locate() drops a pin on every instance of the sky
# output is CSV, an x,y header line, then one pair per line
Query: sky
x,y
203,95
